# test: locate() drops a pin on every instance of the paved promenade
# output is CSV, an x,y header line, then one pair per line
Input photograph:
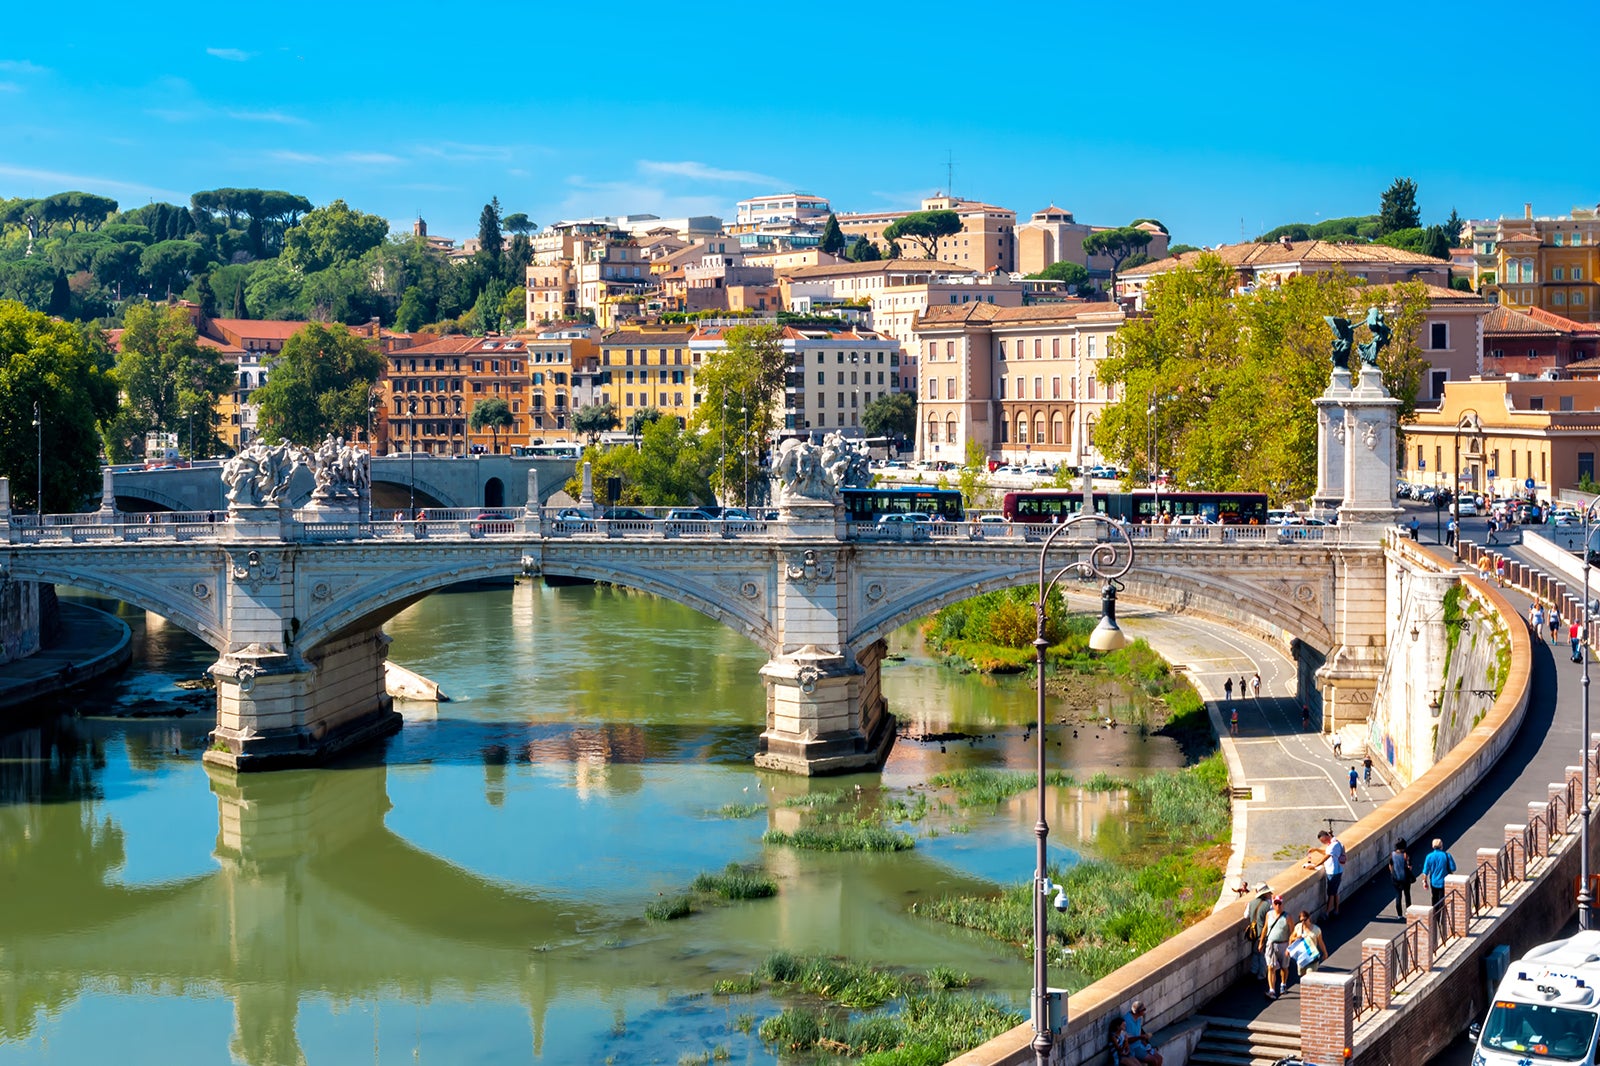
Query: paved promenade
x,y
91,643
1548,741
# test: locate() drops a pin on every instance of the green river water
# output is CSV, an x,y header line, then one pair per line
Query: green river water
x,y
473,891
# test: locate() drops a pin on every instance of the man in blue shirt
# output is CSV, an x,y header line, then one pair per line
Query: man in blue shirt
x,y
1436,867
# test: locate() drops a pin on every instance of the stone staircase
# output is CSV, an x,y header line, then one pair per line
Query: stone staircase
x,y
1231,1042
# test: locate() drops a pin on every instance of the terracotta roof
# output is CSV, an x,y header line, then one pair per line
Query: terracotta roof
x,y
1275,253
846,270
1438,294
1561,322
1504,321
258,328
951,314
1519,238
114,339
624,337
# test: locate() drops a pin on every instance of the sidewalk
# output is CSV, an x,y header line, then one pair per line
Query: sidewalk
x,y
91,644
1296,784
1548,740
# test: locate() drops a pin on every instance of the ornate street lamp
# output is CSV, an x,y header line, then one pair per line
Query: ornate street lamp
x,y
1585,894
1107,560
38,430
411,409
1469,421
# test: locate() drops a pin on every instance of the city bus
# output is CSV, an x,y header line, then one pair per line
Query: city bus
x,y
866,505
547,451
1140,507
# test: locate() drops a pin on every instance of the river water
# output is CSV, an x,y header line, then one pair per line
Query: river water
x,y
474,890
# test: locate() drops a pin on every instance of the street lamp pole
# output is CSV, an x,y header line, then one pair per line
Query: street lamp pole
x,y
1585,894
411,409
744,455
1468,420
1107,561
38,431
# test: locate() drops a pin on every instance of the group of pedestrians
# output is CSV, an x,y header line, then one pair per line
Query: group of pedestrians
x,y
1253,684
1540,616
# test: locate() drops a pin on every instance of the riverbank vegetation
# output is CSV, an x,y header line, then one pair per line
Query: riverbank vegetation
x,y
1118,908
736,882
891,1018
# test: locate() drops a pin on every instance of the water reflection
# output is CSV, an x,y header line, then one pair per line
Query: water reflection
x,y
477,887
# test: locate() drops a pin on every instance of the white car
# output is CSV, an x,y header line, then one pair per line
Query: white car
x,y
1468,506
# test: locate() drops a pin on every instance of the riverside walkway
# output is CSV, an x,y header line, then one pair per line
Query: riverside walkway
x,y
1548,741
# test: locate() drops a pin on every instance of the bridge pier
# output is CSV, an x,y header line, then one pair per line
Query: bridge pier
x,y
825,712
277,709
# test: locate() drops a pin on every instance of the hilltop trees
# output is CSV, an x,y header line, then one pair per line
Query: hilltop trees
x,y
832,236
1236,374
1397,209
1117,245
924,229
736,415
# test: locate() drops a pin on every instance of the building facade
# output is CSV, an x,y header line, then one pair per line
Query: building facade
x,y
1052,236
648,367
1550,263
987,240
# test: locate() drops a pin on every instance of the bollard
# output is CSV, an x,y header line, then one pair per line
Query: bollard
x,y
1489,859
1515,835
1383,972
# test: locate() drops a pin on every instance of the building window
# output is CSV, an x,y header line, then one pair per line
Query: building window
x,y
1055,388
1559,299
1038,348
1055,347
1022,431
1558,273
1566,403
1438,336
1578,299
1439,378
1577,273
1038,388
1057,430
949,388
950,429
1002,388
1555,239
1002,349
933,388
1091,386
1586,466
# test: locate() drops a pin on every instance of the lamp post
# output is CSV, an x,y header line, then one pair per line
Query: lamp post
x,y
1107,561
38,432
1585,895
411,409
372,411
744,456
1469,420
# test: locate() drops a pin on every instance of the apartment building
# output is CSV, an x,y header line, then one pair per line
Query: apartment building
x,y
987,240
1550,263
557,356
1052,236
648,366
429,392
780,208
1272,262
724,281
1023,382
1536,343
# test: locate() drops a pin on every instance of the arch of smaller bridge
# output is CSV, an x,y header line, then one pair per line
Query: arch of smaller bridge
x,y
151,498
423,487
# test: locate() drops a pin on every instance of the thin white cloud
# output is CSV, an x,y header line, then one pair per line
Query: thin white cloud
x,y
285,155
370,158
277,117
22,66
595,198
232,55
60,180
689,168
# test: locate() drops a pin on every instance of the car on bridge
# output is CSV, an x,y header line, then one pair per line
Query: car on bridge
x,y
625,514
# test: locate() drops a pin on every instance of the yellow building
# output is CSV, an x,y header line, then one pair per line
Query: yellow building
x,y
1550,263
648,366
1546,432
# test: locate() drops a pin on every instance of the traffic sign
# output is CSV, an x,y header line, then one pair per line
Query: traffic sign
x,y
1422,464
1528,484
1490,473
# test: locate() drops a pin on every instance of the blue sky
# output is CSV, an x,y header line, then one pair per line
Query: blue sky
x,y
1210,117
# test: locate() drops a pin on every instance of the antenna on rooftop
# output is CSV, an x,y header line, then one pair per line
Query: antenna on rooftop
x,y
949,173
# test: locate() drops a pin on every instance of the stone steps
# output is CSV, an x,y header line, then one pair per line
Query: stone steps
x,y
1231,1042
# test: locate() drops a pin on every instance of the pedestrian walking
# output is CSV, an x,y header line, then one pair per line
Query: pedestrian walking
x,y
1305,716
1233,722
1574,634
1332,867
1414,527
1500,571
1435,868
1366,770
1255,686
1536,621
1354,777
1555,624
1401,875
1494,527
1306,946
1338,745
1275,930
1450,533
1227,688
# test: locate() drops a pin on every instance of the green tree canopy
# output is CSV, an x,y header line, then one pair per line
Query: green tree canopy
x,y
832,236
1071,273
1117,244
517,222
491,242
1236,373
738,386
1179,249
670,467
641,418
894,414
924,229
169,383
61,367
167,266
593,419
864,251
332,236
1398,207
318,385
493,414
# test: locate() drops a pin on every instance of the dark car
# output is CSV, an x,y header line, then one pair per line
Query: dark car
x,y
625,514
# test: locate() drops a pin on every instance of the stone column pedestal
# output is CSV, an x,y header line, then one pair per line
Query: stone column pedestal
x,y
276,709
825,713
257,523
1331,442
1370,417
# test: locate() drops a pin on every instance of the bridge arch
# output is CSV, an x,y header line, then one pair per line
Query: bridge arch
x,y
190,605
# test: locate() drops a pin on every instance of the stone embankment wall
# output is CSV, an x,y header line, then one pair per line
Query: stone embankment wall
x,y
1181,976
29,616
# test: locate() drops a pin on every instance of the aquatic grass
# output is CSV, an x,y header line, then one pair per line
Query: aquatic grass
x,y
740,810
983,787
796,1029
815,800
943,977
736,882
841,838
669,909
901,811
747,985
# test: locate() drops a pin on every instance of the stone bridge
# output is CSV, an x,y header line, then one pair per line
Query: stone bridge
x,y
294,600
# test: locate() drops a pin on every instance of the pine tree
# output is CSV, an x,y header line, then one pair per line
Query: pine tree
x,y
490,240
1398,208
239,309
832,237
205,297
60,297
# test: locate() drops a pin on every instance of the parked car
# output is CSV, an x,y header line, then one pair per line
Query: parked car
x,y
625,514
571,514
1467,506
690,514
992,519
903,519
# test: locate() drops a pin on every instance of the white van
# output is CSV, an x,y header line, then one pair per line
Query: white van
x,y
1546,1009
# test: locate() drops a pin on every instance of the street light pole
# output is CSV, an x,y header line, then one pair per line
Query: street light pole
x,y
1585,895
1468,420
38,430
1106,561
411,409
